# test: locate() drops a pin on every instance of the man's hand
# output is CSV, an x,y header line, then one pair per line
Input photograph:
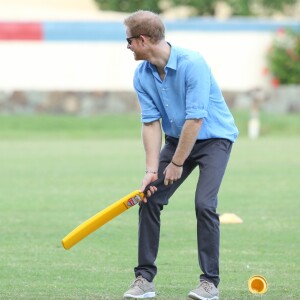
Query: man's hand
x,y
149,177
172,173
185,145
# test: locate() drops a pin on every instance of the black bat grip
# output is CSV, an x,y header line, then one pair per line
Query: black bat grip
x,y
156,183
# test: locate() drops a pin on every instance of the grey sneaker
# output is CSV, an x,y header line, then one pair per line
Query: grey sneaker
x,y
141,288
205,291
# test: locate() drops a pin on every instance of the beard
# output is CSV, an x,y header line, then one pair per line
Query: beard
x,y
138,56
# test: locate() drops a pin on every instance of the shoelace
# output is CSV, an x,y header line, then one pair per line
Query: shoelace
x,y
206,286
137,282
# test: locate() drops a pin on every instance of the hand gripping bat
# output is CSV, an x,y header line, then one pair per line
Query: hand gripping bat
x,y
104,216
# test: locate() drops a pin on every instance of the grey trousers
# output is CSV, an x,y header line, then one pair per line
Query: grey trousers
x,y
211,156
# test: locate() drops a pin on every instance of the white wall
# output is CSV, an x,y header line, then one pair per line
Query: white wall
x,y
236,58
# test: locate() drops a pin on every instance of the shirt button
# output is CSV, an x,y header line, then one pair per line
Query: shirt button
x,y
167,105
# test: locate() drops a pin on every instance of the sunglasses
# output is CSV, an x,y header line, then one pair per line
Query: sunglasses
x,y
129,40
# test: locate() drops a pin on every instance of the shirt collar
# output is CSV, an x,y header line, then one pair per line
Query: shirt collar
x,y
172,62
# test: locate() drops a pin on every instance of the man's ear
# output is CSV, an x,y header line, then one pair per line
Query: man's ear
x,y
143,38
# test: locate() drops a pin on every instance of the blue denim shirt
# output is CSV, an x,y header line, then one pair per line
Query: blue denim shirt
x,y
188,91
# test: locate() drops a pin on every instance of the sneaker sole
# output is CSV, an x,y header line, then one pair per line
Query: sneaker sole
x,y
197,297
144,296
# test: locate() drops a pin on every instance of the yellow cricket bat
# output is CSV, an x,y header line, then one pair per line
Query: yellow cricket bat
x,y
101,218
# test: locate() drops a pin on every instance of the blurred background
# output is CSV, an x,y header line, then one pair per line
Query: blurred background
x,y
70,146
70,57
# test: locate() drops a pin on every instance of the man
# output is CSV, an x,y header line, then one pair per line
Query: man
x,y
176,87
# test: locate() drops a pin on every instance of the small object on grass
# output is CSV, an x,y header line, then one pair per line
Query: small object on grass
x,y
230,218
257,284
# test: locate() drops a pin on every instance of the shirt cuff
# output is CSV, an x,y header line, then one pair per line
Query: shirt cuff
x,y
149,119
199,114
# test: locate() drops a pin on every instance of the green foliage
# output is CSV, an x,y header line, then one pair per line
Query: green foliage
x,y
129,6
203,7
240,7
284,57
276,5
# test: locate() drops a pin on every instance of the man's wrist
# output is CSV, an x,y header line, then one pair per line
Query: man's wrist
x,y
150,171
175,164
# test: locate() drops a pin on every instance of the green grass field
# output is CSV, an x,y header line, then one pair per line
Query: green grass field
x,y
58,171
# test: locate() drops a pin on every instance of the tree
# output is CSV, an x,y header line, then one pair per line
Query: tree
x,y
284,57
202,7
129,5
275,5
246,7
240,7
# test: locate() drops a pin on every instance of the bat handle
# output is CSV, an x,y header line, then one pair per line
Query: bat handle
x,y
156,183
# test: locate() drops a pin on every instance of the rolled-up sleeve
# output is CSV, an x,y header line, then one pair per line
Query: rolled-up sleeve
x,y
198,89
149,110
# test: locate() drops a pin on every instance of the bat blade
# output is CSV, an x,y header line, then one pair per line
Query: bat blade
x,y
101,218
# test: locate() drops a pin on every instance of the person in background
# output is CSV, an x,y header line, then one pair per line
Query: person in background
x,y
179,96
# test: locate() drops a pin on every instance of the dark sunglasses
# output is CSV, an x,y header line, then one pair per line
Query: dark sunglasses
x,y
129,40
